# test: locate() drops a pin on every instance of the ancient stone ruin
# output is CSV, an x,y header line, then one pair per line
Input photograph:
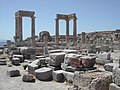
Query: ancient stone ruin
x,y
92,62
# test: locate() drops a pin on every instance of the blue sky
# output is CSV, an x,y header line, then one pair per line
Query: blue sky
x,y
93,15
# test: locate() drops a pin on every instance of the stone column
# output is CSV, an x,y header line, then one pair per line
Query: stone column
x,y
74,31
33,31
67,31
16,26
20,29
57,31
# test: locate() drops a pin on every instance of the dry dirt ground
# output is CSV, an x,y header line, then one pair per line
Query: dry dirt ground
x,y
16,83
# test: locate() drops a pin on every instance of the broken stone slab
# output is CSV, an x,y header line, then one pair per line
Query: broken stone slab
x,y
20,57
113,86
3,62
88,61
13,73
110,66
32,68
70,56
15,61
102,61
104,56
68,76
44,74
57,58
101,83
58,75
116,75
28,78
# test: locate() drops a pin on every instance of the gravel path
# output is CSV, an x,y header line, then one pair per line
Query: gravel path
x,y
16,83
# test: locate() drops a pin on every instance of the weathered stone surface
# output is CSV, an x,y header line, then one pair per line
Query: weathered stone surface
x,y
94,80
110,66
44,74
68,57
13,73
101,83
103,61
32,68
104,56
57,58
113,86
88,61
68,76
64,66
116,76
58,75
28,78
15,61
20,57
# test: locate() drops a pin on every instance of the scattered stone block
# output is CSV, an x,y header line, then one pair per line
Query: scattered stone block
x,y
44,74
92,80
32,68
20,57
57,58
68,76
116,76
69,56
13,73
110,66
58,75
2,62
1,51
104,56
28,78
15,61
113,86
